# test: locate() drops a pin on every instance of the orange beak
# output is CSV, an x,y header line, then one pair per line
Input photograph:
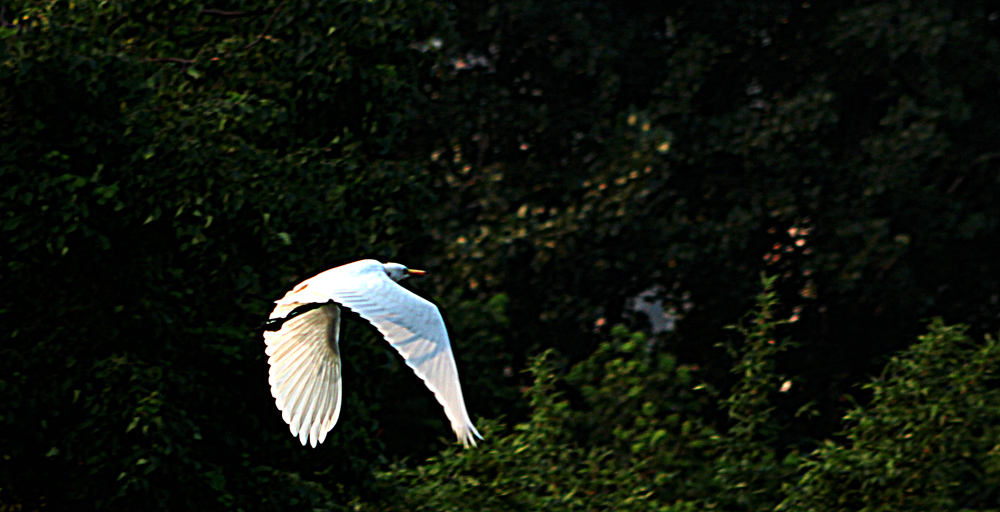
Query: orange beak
x,y
415,272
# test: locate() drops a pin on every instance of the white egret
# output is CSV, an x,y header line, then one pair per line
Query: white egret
x,y
303,333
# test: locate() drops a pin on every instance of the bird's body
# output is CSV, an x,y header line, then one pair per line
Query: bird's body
x,y
303,333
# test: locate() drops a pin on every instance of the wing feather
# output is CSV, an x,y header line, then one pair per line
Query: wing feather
x,y
305,370
415,328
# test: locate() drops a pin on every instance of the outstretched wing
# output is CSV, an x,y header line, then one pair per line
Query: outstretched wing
x,y
414,327
304,375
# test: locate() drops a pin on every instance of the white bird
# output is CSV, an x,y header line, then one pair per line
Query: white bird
x,y
303,333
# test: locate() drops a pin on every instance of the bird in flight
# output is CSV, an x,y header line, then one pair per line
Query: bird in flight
x,y
303,334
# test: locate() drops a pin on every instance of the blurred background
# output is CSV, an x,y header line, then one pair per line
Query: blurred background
x,y
596,189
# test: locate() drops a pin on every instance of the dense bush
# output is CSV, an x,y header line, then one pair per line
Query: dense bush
x,y
928,440
637,440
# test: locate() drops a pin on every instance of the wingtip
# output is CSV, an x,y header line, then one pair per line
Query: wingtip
x,y
468,436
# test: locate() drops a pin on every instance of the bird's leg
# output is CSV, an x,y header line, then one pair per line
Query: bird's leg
x,y
275,324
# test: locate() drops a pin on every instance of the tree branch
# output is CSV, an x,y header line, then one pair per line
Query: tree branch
x,y
229,15
233,14
172,59
266,27
117,23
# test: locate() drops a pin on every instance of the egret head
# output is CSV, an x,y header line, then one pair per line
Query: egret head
x,y
398,272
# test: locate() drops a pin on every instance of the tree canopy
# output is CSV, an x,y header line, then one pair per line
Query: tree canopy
x,y
169,169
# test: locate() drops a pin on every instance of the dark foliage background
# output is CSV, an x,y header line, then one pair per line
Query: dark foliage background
x,y
168,169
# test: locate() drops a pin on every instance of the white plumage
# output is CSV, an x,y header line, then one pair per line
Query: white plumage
x,y
303,351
